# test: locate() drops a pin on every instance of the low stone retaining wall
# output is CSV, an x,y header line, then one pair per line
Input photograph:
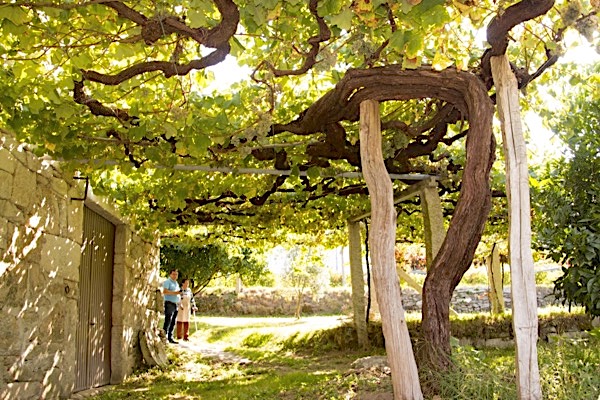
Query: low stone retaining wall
x,y
282,302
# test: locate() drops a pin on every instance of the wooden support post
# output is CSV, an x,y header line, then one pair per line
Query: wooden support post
x,y
402,274
358,284
494,271
524,299
433,220
405,377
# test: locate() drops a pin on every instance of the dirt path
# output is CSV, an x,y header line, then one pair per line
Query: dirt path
x,y
211,351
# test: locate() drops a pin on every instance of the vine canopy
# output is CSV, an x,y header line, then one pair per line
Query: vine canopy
x,y
125,94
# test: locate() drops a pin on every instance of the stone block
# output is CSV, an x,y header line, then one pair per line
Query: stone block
x,y
569,336
499,343
32,162
53,387
9,365
47,326
5,236
25,245
69,345
77,191
371,362
62,217
49,367
7,161
10,335
6,187
43,182
68,370
13,290
75,221
119,260
21,391
38,281
118,355
61,188
11,212
61,257
137,251
49,216
118,314
24,190
18,152
36,367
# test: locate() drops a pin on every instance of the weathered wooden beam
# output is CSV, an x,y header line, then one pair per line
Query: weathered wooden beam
x,y
426,181
405,376
433,220
524,299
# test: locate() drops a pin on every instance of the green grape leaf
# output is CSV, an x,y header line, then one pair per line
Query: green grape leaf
x,y
344,19
398,40
17,15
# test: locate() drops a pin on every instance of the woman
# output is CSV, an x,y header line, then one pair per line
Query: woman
x,y
186,304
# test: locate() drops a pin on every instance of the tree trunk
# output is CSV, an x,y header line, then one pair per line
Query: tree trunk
x,y
524,297
358,284
405,377
298,311
468,95
464,233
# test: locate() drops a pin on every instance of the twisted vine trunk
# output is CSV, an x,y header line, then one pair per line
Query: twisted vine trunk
x,y
467,97
466,226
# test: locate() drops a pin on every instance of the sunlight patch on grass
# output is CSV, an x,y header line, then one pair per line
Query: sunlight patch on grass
x,y
568,367
259,332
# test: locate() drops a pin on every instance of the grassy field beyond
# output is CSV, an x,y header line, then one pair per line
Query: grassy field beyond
x,y
285,358
234,330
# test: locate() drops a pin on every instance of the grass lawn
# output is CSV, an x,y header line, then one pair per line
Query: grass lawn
x,y
287,359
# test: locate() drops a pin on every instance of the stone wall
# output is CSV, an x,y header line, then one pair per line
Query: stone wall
x,y
41,228
282,302
269,301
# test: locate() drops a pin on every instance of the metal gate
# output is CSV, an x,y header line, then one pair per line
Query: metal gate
x,y
95,302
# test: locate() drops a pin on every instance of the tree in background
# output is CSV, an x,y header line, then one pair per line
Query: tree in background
x,y
202,264
567,199
306,271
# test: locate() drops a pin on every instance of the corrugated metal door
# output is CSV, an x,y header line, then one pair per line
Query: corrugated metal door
x,y
95,302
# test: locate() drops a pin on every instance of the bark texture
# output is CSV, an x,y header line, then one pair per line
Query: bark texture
x,y
464,233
